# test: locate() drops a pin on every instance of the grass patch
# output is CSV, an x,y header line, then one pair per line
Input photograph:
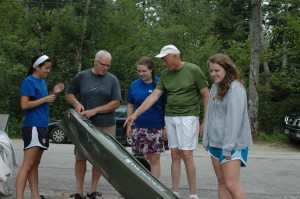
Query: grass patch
x,y
272,138
276,137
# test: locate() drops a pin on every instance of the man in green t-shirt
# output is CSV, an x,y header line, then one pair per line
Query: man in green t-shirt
x,y
185,84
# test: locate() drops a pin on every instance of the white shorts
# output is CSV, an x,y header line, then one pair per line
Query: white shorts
x,y
183,132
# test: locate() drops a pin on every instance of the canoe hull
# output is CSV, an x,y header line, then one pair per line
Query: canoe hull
x,y
119,167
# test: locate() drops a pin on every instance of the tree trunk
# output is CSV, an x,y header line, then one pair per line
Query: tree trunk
x,y
255,29
78,58
40,32
284,57
265,46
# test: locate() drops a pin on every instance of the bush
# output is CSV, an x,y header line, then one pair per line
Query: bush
x,y
14,128
274,105
277,136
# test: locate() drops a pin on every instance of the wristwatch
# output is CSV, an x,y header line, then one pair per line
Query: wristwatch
x,y
75,103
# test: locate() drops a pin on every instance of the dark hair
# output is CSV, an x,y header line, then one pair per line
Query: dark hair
x,y
147,61
232,73
31,69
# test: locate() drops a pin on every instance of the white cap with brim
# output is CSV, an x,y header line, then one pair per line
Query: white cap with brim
x,y
169,49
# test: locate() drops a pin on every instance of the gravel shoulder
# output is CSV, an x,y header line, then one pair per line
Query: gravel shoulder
x,y
276,147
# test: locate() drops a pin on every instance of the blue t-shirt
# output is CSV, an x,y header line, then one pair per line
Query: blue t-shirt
x,y
154,116
35,89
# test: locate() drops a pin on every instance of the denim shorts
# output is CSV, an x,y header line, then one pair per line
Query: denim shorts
x,y
235,155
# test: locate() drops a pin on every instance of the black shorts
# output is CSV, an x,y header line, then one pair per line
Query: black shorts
x,y
35,137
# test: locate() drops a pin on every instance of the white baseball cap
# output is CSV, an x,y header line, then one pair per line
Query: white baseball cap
x,y
169,49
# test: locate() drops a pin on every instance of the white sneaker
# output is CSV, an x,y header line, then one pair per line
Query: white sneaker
x,y
177,194
193,197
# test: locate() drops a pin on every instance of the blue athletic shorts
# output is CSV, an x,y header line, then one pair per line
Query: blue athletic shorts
x,y
235,155
35,137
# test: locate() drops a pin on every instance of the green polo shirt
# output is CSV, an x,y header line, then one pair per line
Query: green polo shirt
x,y
183,88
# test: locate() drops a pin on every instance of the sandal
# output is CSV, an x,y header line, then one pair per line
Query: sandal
x,y
94,195
76,196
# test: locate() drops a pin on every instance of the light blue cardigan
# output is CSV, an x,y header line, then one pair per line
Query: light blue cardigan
x,y
227,123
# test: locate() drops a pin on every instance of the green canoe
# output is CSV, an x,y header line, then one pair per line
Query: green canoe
x,y
119,167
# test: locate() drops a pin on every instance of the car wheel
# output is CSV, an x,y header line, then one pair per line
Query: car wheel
x,y
128,141
58,136
292,140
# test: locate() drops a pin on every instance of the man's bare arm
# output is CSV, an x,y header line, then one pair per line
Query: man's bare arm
x,y
150,100
205,95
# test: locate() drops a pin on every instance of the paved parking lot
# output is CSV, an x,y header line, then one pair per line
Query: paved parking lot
x,y
272,173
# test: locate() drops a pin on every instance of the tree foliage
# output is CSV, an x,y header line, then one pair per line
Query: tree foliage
x,y
71,32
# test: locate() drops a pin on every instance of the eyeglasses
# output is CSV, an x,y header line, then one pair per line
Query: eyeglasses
x,y
108,65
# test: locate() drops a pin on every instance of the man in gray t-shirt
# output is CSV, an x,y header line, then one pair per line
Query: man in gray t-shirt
x,y
95,94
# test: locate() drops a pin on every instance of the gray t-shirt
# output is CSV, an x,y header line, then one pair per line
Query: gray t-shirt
x,y
96,90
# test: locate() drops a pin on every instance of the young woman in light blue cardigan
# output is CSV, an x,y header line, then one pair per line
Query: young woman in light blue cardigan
x,y
227,134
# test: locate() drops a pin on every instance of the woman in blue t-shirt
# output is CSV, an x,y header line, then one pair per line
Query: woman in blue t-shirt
x,y
35,102
148,132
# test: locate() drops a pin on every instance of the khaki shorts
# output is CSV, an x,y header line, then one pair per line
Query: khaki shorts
x,y
106,129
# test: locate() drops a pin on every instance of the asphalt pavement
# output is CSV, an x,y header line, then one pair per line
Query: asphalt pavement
x,y
273,172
